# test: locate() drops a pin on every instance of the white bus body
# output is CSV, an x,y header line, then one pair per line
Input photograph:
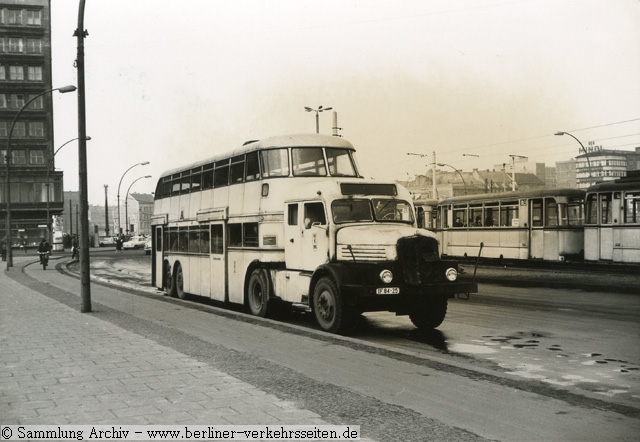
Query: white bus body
x,y
290,219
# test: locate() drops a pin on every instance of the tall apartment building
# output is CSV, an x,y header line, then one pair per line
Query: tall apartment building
x,y
25,72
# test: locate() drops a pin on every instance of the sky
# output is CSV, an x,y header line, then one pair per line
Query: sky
x,y
174,82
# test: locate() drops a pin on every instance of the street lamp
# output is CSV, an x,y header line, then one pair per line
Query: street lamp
x,y
62,90
49,167
126,200
459,173
125,172
513,170
583,149
317,111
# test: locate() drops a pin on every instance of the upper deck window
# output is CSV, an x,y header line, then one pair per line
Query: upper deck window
x,y
308,162
275,163
340,162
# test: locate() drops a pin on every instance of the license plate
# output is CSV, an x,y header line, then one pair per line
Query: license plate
x,y
387,291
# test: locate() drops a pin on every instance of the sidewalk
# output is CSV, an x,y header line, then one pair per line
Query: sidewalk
x,y
59,366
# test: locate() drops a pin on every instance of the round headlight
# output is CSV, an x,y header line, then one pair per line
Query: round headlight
x,y
451,274
386,276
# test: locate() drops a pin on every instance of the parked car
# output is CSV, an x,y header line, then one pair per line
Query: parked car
x,y
147,247
106,241
136,242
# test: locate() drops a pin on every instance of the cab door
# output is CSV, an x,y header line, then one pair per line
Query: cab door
x,y
157,248
306,235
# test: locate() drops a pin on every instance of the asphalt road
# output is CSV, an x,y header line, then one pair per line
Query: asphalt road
x,y
510,364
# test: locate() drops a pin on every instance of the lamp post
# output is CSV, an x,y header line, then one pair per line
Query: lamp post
x,y
317,111
513,171
125,172
126,200
62,90
459,173
49,167
586,154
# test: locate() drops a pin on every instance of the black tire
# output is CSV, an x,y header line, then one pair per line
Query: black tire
x,y
258,292
169,280
178,277
332,315
429,313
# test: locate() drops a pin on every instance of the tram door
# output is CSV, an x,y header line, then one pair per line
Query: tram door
x,y
605,239
536,228
218,263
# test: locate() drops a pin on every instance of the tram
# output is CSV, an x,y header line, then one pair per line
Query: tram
x,y
612,223
540,224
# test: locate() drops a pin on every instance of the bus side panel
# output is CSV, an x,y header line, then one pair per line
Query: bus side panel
x,y
551,245
591,244
537,244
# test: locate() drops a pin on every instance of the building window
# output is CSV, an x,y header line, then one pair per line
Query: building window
x,y
16,73
3,72
38,103
36,156
19,130
16,45
34,46
13,16
34,73
3,101
34,17
18,156
36,129
16,101
4,129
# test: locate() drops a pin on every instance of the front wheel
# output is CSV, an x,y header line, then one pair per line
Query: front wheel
x,y
258,292
328,306
429,313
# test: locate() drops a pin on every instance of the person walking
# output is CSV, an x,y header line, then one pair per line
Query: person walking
x,y
119,244
75,253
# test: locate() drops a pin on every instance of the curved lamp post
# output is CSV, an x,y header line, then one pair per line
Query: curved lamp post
x,y
62,90
126,200
583,149
49,167
317,111
459,173
125,172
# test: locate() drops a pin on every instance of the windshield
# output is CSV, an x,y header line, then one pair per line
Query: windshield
x,y
364,210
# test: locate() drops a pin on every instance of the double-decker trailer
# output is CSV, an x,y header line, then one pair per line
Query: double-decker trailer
x,y
545,224
612,223
290,219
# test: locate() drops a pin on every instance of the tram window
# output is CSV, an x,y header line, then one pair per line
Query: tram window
x,y
275,163
183,241
551,213
460,217
292,216
207,177
185,186
442,218
490,216
632,208
308,162
475,216
217,239
175,184
253,167
606,208
591,214
173,240
575,215
509,214
536,213
204,241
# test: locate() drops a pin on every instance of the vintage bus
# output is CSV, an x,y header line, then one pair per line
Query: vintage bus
x,y
290,220
544,224
612,224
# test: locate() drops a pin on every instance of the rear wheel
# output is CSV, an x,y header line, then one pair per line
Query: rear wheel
x,y
429,313
258,292
179,282
328,306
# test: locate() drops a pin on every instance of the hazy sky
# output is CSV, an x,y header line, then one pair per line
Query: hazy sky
x,y
172,82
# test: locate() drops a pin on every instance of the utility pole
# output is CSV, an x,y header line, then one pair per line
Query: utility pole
x,y
106,211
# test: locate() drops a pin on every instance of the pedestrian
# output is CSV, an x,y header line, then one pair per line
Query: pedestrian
x,y
75,254
3,250
43,249
119,244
